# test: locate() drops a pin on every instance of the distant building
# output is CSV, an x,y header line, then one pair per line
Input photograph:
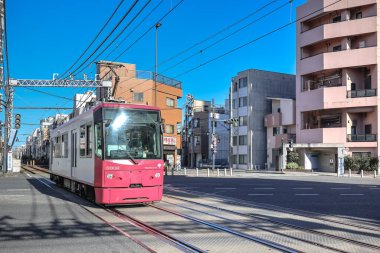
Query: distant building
x,y
201,135
281,128
249,92
137,87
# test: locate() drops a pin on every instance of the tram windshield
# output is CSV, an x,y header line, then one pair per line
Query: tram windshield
x,y
132,134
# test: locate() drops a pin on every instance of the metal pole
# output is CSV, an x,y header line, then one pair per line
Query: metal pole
x,y
155,64
213,137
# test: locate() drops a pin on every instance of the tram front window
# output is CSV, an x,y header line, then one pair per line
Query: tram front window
x,y
132,134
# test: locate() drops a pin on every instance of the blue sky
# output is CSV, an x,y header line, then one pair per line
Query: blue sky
x,y
47,36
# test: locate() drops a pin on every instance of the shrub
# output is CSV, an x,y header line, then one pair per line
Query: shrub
x,y
361,163
373,163
293,157
292,166
349,163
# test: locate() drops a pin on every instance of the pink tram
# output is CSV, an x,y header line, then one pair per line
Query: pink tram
x,y
111,154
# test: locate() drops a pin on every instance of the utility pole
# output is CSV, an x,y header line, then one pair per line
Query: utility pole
x,y
213,136
156,63
186,138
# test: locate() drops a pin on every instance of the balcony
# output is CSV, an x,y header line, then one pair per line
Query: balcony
x,y
342,29
361,93
335,97
323,135
272,120
361,137
341,59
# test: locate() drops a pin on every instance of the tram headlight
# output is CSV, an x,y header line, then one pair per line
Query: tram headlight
x,y
109,176
157,175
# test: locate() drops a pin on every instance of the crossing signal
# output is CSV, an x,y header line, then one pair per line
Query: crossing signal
x,y
17,121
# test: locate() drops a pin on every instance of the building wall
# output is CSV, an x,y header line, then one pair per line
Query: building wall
x,y
260,85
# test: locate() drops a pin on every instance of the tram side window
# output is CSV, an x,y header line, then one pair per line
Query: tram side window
x,y
98,140
85,141
61,146
82,141
89,141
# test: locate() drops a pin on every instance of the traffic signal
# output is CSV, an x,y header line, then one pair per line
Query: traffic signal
x,y
17,121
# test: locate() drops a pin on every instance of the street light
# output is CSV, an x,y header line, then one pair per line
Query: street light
x,y
155,64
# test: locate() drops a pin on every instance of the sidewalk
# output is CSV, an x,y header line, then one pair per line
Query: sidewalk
x,y
204,172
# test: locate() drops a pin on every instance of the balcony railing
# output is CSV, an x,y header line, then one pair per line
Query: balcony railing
x,y
327,82
148,75
303,29
361,93
361,137
332,51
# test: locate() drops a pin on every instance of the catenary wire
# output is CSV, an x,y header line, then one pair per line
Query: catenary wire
x,y
96,37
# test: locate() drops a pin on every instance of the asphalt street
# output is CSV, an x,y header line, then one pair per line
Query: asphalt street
x,y
355,198
35,218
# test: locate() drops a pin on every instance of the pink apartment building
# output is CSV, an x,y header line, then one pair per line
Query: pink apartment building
x,y
337,108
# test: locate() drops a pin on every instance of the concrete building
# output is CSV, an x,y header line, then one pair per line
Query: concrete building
x,y
201,135
249,90
281,128
337,80
137,87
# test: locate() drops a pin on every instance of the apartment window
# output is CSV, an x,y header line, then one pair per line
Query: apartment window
x,y
234,161
234,141
276,131
362,44
197,140
284,130
337,19
368,129
337,48
169,129
242,101
235,86
359,15
243,121
138,96
234,104
243,140
169,102
179,127
361,154
243,82
243,159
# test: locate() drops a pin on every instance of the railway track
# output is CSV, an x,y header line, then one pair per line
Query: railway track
x,y
258,220
180,245
257,230
306,214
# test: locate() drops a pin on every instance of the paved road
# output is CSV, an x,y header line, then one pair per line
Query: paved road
x,y
356,198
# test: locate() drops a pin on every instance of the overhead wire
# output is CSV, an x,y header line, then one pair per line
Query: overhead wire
x,y
220,40
95,38
248,43
107,37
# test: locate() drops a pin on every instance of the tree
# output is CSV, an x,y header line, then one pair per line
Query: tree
x,y
293,157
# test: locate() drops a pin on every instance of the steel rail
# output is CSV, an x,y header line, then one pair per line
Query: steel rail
x,y
230,231
138,242
154,231
250,225
288,225
307,214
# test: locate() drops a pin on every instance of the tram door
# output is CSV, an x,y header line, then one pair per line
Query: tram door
x,y
74,142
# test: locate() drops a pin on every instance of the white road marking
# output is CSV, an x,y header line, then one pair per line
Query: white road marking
x,y
268,188
28,175
225,188
341,188
12,196
260,194
16,190
373,188
351,194
306,194
303,188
